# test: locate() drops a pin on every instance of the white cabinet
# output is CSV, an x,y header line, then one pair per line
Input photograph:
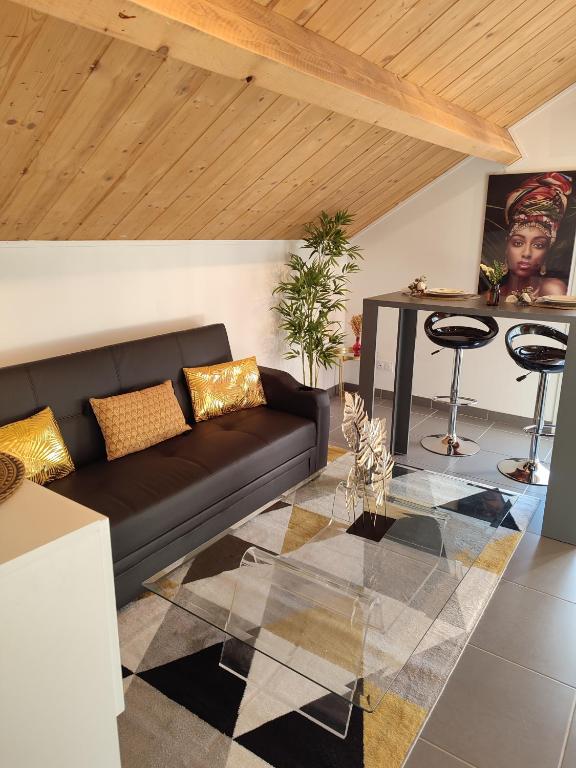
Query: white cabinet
x,y
60,678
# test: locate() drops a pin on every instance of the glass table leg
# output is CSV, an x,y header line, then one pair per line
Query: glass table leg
x,y
328,710
310,625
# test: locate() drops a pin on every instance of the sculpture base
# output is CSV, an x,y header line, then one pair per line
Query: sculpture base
x,y
372,527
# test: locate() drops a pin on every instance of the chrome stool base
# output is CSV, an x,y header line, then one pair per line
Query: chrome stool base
x,y
450,444
445,446
525,471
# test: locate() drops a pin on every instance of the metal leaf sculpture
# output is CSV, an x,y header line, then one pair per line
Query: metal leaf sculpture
x,y
354,421
373,462
370,459
353,429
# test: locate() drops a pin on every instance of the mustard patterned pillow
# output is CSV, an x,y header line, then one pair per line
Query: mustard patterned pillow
x,y
137,420
38,443
223,388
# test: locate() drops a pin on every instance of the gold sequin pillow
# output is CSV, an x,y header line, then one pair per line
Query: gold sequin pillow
x,y
137,420
38,443
219,389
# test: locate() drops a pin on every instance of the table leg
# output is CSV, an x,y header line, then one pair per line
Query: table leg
x,y
560,509
368,359
278,681
405,344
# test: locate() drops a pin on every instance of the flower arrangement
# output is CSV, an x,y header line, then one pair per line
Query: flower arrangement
x,y
496,273
418,286
356,325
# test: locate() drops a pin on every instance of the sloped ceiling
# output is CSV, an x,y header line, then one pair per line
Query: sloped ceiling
x,y
100,139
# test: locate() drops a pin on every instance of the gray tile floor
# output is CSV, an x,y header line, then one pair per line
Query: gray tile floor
x,y
510,701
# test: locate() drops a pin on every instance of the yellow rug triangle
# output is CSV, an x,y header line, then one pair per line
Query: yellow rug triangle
x,y
334,452
390,731
302,526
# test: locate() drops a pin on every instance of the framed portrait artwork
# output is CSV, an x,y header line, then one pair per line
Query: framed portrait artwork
x,y
530,225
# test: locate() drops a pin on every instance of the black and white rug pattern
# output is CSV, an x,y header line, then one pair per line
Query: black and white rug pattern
x,y
184,710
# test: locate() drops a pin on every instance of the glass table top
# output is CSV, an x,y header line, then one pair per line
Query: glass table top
x,y
340,603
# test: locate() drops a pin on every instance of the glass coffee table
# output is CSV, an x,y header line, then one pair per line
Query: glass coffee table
x,y
340,607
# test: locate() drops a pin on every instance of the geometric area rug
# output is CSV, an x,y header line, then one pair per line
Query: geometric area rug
x,y
184,711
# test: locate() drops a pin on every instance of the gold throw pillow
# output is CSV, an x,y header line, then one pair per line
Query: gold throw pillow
x,y
38,443
137,420
219,389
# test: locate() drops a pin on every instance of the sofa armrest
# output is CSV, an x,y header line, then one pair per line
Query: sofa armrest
x,y
284,393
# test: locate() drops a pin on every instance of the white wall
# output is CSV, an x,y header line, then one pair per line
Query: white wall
x,y
438,232
63,297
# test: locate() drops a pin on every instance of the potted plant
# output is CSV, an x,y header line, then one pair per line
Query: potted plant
x,y
314,291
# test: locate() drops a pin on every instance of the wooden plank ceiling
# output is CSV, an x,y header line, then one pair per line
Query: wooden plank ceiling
x,y
101,139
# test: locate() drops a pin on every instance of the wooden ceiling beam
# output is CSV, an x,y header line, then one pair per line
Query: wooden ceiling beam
x,y
244,40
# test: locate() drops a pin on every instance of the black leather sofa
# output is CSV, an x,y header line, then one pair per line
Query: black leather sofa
x,y
168,499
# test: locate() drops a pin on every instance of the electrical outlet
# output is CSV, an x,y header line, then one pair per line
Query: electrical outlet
x,y
384,365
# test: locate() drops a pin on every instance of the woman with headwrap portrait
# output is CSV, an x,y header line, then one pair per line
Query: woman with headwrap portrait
x,y
533,213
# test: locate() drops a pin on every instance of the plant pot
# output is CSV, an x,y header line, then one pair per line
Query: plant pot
x,y
493,296
357,348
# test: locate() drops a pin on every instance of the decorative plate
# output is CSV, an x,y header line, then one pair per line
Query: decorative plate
x,y
12,475
565,300
444,292
451,297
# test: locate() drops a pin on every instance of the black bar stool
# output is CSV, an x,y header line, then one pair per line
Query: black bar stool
x,y
458,338
543,360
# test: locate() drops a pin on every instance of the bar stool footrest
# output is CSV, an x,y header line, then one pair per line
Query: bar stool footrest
x,y
459,400
549,430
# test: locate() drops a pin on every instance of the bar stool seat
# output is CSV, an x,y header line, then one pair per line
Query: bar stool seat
x,y
544,360
540,359
458,338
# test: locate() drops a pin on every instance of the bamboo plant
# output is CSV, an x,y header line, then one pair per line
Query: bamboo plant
x,y
314,292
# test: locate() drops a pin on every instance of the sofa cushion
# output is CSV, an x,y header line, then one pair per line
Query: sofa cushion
x,y
138,420
224,388
149,493
38,443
